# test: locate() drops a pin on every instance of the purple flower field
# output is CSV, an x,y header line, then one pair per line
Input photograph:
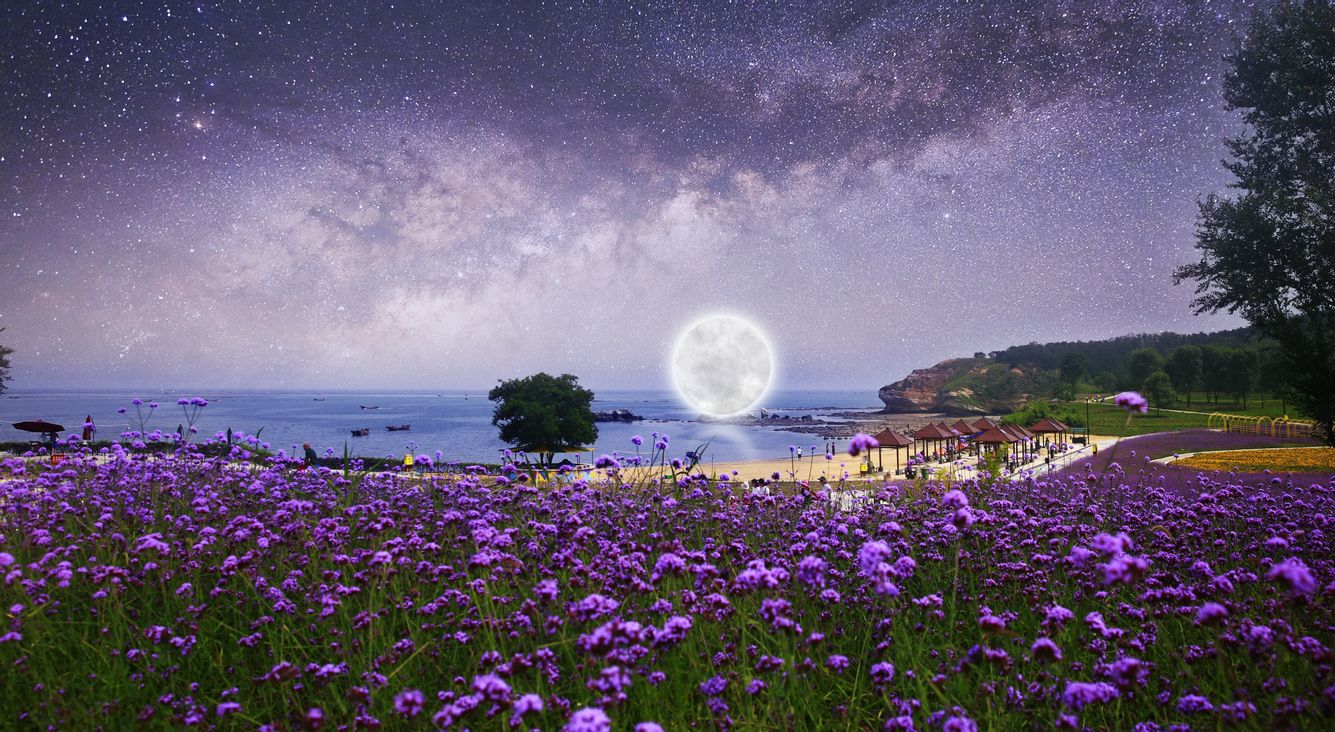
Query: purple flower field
x,y
187,591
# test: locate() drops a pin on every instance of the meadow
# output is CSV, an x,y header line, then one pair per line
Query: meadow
x,y
1109,419
187,590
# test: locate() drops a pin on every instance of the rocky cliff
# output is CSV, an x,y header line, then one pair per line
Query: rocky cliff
x,y
919,391
960,386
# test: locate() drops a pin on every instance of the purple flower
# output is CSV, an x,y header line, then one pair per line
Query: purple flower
x,y
991,624
1193,703
837,663
1079,694
871,556
882,673
409,703
648,727
226,708
1045,650
589,719
491,687
1131,401
714,686
636,440
1295,574
526,704
955,499
959,722
860,443
1211,612
811,571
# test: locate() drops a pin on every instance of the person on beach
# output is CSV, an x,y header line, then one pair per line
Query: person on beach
x,y
408,463
310,454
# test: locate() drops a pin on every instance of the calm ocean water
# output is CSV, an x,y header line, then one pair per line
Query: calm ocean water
x,y
455,423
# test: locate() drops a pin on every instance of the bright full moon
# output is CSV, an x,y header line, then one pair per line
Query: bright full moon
x,y
722,365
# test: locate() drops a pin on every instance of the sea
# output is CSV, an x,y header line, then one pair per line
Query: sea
x,y
455,423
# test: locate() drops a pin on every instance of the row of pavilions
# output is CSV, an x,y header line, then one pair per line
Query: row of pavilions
x,y
942,442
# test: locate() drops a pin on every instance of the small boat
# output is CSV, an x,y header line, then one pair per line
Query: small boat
x,y
363,432
398,427
363,406
319,399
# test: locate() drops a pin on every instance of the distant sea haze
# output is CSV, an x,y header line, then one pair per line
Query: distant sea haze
x,y
456,423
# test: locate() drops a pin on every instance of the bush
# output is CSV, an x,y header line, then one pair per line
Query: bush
x,y
1034,411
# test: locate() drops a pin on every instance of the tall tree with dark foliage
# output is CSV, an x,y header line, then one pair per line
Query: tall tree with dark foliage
x,y
1268,252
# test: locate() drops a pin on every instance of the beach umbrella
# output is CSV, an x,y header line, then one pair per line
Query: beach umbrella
x,y
89,429
40,426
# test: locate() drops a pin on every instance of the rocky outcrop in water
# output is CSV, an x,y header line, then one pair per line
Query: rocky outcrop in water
x,y
617,415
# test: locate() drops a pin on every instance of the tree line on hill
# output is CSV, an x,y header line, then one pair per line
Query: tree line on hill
x,y
1170,368
1218,371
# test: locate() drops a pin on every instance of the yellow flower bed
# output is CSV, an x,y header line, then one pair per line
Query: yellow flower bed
x,y
1287,459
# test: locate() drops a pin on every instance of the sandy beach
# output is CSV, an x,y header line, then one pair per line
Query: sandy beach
x,y
844,464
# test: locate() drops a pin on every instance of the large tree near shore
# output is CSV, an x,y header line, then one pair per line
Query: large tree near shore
x,y
544,414
1268,250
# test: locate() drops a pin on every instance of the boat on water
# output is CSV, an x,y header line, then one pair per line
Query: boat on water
x,y
398,427
374,406
363,432
319,399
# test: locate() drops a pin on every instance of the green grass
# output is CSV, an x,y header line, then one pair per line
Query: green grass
x,y
1109,419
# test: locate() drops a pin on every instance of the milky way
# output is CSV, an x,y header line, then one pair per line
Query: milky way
x,y
416,196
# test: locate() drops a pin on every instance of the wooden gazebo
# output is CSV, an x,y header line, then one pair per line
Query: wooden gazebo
x,y
1023,436
894,440
996,436
1050,427
932,433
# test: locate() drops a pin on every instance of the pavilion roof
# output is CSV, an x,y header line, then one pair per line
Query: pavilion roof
x,y
890,438
964,428
984,423
1047,426
1018,431
932,432
994,436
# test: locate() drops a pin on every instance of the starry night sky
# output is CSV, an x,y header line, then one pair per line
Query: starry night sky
x,y
423,196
